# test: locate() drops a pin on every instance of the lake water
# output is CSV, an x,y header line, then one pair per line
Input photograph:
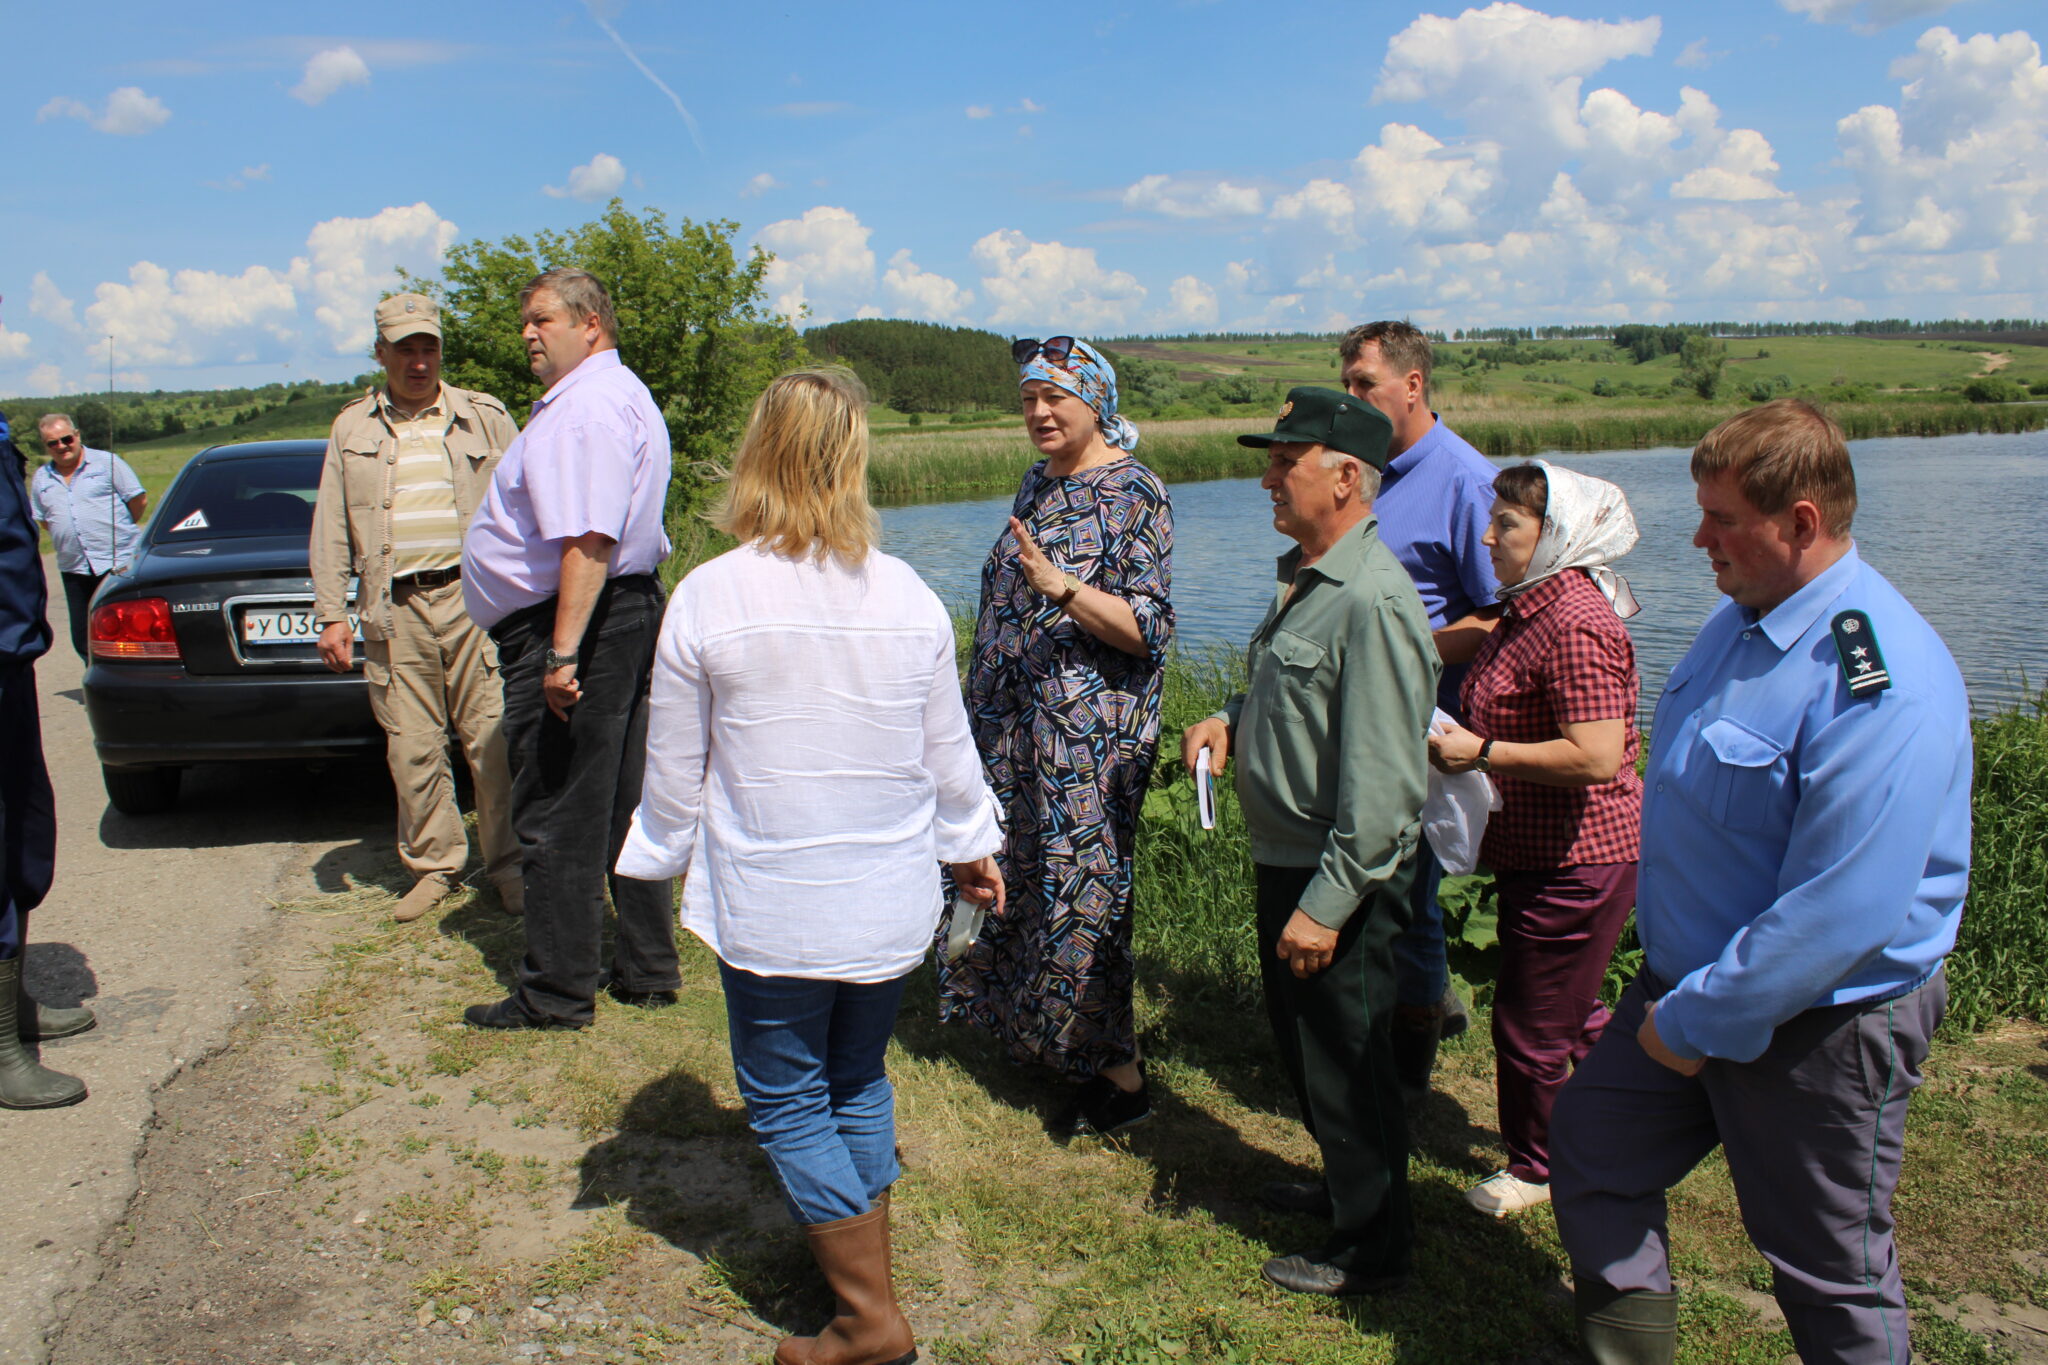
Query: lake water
x,y
1955,522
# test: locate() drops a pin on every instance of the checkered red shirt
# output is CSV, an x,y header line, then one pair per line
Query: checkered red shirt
x,y
1559,656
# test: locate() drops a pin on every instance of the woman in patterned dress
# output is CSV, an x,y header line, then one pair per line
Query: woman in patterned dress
x,y
1063,694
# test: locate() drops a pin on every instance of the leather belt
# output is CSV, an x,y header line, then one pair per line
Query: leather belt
x,y
429,578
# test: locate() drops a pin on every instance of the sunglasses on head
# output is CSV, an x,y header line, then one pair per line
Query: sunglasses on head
x,y
59,442
1024,350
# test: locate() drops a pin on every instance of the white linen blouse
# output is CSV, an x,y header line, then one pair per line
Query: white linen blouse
x,y
809,765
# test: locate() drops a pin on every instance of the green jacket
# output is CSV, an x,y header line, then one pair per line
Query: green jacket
x,y
1331,739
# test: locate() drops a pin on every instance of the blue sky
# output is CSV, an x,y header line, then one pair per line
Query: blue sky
x,y
227,191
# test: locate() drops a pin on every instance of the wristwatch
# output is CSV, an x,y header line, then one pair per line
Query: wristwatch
x,y
1483,764
555,661
1073,586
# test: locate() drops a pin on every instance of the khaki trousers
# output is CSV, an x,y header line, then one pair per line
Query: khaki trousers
x,y
437,672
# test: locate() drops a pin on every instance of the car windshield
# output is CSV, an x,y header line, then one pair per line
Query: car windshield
x,y
264,495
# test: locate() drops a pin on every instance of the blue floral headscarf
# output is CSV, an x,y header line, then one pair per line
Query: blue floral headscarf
x,y
1091,379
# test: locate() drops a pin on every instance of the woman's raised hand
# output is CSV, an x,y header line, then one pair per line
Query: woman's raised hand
x,y
1041,573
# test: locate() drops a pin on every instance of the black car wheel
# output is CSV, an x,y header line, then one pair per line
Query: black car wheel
x,y
141,791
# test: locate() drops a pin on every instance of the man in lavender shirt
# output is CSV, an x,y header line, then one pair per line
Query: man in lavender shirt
x,y
1435,500
559,565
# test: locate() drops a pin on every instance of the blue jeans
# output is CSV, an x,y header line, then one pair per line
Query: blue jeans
x,y
809,1058
1421,972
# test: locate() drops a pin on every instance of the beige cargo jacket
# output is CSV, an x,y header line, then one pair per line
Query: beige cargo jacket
x,y
352,518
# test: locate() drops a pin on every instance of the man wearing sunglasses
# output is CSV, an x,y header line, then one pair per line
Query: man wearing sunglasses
x,y
90,501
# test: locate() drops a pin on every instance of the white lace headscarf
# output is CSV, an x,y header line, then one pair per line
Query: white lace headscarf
x,y
1586,525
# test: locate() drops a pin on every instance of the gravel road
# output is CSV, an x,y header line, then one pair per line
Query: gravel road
x,y
151,923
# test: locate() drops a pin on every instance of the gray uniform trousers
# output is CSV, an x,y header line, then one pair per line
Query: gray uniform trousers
x,y
1813,1130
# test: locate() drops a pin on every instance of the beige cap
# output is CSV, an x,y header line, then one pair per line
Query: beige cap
x,y
403,315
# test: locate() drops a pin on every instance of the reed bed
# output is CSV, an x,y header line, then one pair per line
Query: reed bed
x,y
930,466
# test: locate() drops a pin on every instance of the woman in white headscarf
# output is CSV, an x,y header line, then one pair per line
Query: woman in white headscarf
x,y
1551,702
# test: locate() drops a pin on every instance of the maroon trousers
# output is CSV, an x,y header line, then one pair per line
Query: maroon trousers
x,y
1557,932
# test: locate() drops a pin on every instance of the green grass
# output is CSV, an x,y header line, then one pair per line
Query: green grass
x,y
1144,1251
2000,966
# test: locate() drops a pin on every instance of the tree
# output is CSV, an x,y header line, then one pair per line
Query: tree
x,y
921,366
1699,363
95,422
694,324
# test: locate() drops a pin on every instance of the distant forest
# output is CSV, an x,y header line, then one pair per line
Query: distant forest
x,y
920,367
1959,329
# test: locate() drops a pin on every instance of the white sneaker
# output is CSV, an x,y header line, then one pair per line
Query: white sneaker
x,y
1501,1194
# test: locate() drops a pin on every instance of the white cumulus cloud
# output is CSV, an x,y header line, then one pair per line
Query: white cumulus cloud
x,y
160,317
1868,14
352,262
330,72
46,378
1189,197
759,186
13,345
128,112
1191,303
1506,69
980,111
822,262
1049,284
47,302
598,178
919,293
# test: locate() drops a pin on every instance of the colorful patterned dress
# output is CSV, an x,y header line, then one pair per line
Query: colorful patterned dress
x,y
1068,727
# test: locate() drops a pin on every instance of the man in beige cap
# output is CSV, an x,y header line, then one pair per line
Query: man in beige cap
x,y
407,464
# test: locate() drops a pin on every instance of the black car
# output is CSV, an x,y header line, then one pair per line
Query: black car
x,y
205,649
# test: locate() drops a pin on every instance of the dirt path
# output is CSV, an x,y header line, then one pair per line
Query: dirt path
x,y
150,923
1994,361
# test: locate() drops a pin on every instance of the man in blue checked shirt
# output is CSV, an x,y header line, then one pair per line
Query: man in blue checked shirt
x,y
1806,846
91,501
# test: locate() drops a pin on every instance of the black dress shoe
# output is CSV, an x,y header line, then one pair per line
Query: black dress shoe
x,y
1306,1275
508,1014
1291,1196
646,1000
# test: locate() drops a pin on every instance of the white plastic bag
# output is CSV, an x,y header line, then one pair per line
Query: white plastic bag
x,y
1454,813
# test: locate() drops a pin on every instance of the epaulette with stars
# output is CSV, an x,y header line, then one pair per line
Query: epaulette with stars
x,y
1862,661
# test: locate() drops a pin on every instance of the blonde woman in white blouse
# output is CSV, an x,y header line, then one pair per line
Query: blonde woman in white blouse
x,y
809,766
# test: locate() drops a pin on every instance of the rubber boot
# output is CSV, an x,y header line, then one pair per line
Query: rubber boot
x,y
23,1083
869,1329
37,1022
1625,1326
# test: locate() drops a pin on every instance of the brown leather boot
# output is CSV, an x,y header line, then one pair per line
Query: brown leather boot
x,y
869,1329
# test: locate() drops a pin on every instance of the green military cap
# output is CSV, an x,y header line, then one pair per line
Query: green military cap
x,y
1333,419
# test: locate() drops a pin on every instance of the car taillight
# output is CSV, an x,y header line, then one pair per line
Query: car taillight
x,y
139,628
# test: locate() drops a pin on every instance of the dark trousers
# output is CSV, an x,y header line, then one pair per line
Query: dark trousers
x,y
1813,1131
1557,932
1333,1033
78,591
575,784
1422,968
28,808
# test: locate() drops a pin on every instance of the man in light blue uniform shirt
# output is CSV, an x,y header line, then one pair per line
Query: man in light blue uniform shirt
x,y
1435,501
1806,847
91,501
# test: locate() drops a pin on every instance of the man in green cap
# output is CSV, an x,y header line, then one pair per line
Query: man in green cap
x,y
1333,766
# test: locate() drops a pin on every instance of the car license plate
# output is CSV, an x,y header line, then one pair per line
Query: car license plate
x,y
287,626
